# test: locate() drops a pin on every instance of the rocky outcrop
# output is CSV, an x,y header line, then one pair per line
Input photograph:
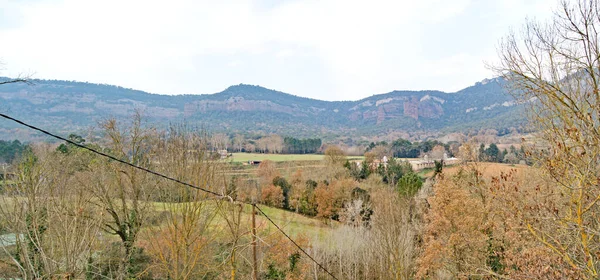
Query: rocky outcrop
x,y
411,107
430,109
237,104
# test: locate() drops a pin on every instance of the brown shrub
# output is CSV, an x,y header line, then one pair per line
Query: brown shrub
x,y
272,196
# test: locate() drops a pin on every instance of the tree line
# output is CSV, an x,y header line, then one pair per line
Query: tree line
x,y
301,146
274,144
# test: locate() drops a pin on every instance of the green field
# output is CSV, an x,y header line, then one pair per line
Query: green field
x,y
292,223
245,157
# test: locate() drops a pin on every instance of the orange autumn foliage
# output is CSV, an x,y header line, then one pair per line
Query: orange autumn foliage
x,y
179,251
331,198
272,196
478,226
455,242
285,257
267,171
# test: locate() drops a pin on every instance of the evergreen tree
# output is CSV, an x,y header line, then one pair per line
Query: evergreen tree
x,y
493,153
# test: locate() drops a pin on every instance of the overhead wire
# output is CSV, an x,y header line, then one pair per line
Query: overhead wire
x,y
170,179
109,156
294,242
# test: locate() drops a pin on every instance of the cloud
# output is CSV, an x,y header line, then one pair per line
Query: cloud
x,y
328,49
284,53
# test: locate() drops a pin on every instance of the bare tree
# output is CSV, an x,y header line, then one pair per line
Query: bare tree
x,y
232,214
238,142
123,192
219,141
50,215
19,79
275,143
250,147
179,242
437,153
334,156
554,67
262,144
385,250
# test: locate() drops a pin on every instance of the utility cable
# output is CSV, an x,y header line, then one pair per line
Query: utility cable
x,y
165,177
296,244
109,156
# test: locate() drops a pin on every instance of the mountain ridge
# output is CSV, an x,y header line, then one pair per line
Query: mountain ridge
x,y
245,108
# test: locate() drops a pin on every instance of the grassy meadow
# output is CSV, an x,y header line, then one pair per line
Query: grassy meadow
x,y
291,222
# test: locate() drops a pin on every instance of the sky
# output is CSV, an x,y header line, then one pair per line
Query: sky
x,y
323,49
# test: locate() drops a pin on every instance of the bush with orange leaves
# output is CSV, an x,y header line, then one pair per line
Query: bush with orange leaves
x,y
266,172
455,240
331,197
248,191
272,196
283,260
524,204
482,227
179,253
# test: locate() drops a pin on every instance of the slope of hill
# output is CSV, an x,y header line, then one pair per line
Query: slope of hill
x,y
70,106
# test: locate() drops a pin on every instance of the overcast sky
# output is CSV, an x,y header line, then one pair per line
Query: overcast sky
x,y
332,50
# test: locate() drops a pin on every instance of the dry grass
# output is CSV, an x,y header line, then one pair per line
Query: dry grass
x,y
488,169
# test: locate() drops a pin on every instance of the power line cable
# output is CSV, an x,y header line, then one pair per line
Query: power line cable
x,y
168,178
296,244
109,156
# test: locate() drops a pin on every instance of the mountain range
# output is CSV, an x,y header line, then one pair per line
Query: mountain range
x,y
69,106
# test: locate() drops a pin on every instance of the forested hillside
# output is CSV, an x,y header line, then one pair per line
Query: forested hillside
x,y
74,106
